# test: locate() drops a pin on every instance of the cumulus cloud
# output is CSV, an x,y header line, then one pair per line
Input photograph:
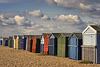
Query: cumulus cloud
x,y
20,24
70,18
36,13
16,20
45,17
84,7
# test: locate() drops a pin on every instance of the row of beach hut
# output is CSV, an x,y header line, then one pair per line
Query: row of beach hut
x,y
77,46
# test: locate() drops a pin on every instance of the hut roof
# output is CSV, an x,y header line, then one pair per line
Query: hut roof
x,y
96,27
55,34
77,35
47,34
65,34
38,36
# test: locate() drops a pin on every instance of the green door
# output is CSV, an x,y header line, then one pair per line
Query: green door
x,y
63,46
59,52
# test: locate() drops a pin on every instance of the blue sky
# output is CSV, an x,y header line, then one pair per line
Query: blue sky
x,y
47,16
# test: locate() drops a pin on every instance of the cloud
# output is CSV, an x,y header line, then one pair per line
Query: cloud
x,y
84,7
70,18
21,24
45,17
16,20
36,13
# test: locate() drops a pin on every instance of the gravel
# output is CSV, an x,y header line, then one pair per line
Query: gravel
x,y
10,57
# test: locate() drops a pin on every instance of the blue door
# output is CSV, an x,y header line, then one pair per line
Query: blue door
x,y
41,48
24,44
1,42
51,46
6,42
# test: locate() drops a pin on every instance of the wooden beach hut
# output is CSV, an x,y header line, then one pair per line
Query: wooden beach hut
x,y
74,46
62,47
36,43
53,44
46,42
91,43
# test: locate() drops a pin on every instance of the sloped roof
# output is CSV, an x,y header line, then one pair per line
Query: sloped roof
x,y
15,36
77,35
47,34
25,36
65,34
55,34
38,36
96,27
10,37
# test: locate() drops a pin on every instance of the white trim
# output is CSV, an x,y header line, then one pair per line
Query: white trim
x,y
72,46
89,33
87,28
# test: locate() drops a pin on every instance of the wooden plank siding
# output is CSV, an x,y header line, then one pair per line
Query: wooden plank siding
x,y
62,47
91,44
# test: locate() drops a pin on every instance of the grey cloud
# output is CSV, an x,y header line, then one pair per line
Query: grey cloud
x,y
84,7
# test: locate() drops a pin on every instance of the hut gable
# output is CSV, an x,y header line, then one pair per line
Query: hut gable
x,y
42,40
64,35
92,29
38,36
77,35
46,34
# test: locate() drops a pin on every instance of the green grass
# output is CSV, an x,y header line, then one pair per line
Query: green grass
x,y
86,62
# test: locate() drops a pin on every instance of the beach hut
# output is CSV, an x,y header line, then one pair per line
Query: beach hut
x,y
46,42
18,42
36,43
74,46
5,41
91,44
1,41
53,44
23,42
30,41
42,44
14,42
10,41
62,47
27,42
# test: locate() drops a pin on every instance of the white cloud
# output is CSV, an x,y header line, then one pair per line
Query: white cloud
x,y
62,23
45,17
70,18
35,13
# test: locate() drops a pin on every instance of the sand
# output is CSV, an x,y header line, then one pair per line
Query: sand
x,y
10,57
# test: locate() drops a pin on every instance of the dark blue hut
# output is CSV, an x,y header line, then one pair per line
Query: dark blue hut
x,y
23,42
1,41
74,46
53,44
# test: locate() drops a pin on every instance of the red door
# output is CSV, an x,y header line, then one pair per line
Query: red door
x,y
34,44
46,43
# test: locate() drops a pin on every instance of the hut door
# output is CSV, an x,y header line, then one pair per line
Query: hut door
x,y
63,47
51,46
34,44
